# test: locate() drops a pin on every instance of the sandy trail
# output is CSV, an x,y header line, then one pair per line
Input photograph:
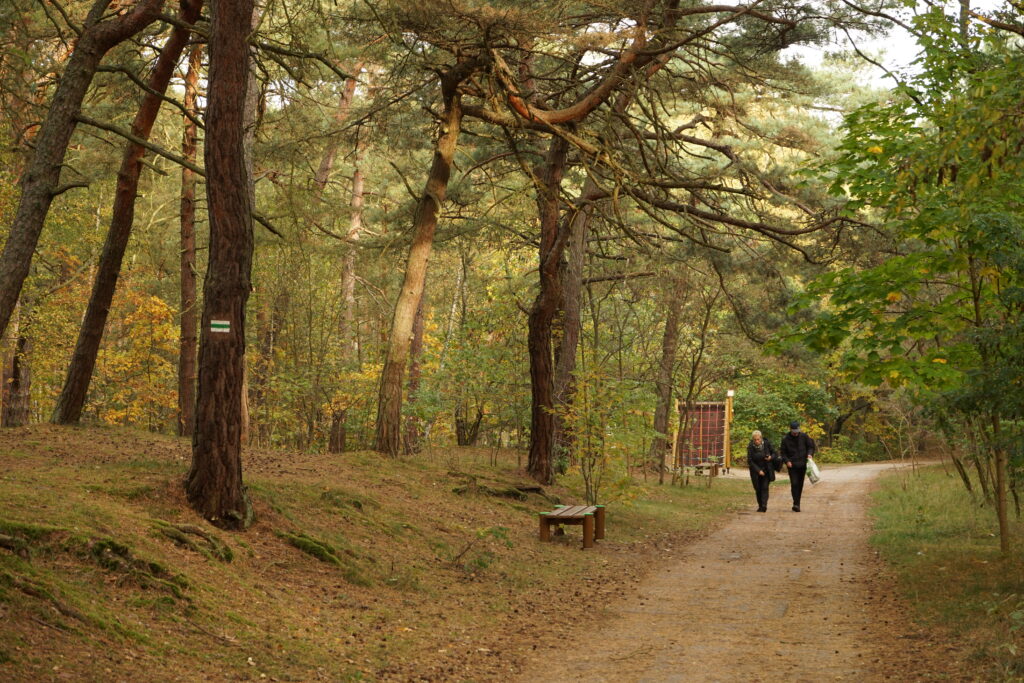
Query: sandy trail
x,y
779,596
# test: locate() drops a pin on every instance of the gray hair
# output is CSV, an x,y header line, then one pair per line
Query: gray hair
x,y
757,432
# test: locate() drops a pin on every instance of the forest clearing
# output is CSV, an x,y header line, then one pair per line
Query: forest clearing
x,y
310,308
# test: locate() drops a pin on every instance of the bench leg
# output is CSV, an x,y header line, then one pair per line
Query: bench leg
x,y
599,522
545,528
588,531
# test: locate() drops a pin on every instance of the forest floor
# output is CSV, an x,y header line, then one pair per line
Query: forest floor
x,y
421,569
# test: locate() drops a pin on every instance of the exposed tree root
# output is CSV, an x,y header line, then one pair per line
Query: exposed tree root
x,y
207,545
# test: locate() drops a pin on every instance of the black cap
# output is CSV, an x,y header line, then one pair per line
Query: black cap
x,y
794,425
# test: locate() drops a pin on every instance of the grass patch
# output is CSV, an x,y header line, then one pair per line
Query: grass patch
x,y
944,547
26,532
664,509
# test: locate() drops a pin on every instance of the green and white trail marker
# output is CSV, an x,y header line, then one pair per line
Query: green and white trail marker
x,y
220,326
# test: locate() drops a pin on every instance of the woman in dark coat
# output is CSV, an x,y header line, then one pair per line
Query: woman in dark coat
x,y
762,473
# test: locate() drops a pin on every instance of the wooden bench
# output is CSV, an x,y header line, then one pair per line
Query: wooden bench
x,y
590,516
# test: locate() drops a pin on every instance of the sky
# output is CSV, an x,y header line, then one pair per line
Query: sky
x,y
895,51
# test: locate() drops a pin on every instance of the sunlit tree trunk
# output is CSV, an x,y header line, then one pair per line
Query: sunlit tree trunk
x,y
413,426
40,182
76,384
540,463
189,336
214,482
389,407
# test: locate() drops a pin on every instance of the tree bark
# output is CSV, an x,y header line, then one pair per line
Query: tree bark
x,y
540,463
466,431
572,289
336,440
350,339
348,267
323,172
189,336
39,183
17,377
214,483
389,407
339,434
76,384
412,423
251,119
1001,487
663,383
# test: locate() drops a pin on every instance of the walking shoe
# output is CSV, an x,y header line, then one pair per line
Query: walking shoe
x,y
796,508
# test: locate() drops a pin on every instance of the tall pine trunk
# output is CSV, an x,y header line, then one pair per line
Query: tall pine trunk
x,y
214,483
389,407
348,269
189,336
540,463
338,436
76,384
250,122
572,293
663,382
15,405
347,332
40,182
327,161
413,426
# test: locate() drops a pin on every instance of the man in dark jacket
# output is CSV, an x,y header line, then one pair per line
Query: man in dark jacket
x,y
762,473
795,448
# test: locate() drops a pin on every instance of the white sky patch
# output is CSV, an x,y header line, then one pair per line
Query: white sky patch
x,y
895,51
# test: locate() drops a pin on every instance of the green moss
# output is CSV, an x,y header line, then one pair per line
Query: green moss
x,y
160,603
117,557
110,554
338,498
325,552
198,540
321,550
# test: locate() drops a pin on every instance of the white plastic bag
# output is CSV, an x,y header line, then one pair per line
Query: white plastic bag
x,y
813,473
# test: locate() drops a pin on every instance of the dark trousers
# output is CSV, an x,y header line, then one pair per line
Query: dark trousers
x,y
796,482
761,484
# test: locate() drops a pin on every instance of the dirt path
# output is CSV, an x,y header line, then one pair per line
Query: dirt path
x,y
781,596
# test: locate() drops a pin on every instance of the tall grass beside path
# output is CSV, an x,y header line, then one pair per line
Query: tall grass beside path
x,y
944,547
